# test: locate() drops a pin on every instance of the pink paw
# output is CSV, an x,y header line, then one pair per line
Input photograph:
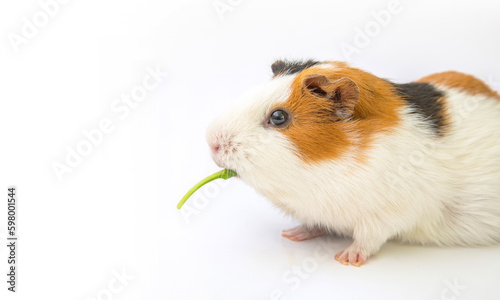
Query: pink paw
x,y
356,258
301,233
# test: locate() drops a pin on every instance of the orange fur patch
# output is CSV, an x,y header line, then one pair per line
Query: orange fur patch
x,y
464,82
318,135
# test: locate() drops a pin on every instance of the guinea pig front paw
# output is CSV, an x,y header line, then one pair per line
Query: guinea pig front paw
x,y
301,233
350,255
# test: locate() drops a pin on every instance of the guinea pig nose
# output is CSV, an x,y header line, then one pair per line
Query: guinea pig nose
x,y
215,147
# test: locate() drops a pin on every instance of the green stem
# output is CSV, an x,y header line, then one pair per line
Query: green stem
x,y
224,174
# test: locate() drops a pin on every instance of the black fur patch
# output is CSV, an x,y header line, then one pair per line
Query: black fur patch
x,y
285,67
423,98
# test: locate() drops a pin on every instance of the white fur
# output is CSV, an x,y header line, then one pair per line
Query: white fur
x,y
413,186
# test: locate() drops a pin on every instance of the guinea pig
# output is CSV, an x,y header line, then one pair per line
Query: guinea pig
x,y
345,152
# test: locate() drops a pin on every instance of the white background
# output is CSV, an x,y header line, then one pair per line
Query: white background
x,y
115,212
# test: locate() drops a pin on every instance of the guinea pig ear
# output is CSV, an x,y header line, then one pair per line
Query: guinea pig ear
x,y
278,67
343,93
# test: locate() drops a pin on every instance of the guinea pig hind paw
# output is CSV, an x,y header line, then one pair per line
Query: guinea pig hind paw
x,y
301,233
347,256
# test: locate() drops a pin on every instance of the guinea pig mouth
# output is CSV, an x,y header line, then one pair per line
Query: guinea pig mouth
x,y
223,149
217,160
223,162
220,159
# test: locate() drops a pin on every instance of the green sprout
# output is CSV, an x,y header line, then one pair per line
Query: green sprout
x,y
224,174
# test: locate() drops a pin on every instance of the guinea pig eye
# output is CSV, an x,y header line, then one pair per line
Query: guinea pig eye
x,y
278,118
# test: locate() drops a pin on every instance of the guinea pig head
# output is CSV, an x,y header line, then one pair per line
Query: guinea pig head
x,y
284,126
